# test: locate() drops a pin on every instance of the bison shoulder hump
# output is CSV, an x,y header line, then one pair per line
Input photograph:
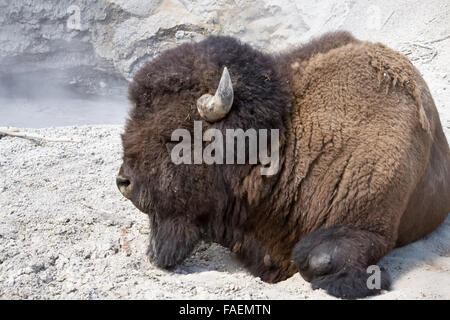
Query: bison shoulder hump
x,y
361,66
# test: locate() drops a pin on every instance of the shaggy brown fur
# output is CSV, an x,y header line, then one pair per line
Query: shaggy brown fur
x,y
365,165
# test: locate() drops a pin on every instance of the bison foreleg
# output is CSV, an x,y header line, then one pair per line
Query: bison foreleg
x,y
336,259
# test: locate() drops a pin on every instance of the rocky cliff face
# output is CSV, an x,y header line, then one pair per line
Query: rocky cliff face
x,y
96,46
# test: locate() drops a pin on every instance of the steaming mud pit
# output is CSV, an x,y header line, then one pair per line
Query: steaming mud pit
x,y
67,233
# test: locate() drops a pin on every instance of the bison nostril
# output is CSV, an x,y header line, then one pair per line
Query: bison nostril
x,y
122,182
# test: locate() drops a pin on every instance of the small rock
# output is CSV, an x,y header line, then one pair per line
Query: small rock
x,y
179,34
37,267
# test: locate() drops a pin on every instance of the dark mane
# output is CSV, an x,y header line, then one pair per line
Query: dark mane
x,y
322,44
261,95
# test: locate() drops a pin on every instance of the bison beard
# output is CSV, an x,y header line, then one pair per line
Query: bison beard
x,y
171,241
364,164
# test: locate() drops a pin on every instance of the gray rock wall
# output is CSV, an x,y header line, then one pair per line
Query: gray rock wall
x,y
96,46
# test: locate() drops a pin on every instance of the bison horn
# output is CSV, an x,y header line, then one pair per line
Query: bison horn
x,y
216,107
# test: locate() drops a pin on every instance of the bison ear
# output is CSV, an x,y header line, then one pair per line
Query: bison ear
x,y
216,107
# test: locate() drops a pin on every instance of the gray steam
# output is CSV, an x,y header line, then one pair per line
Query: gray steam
x,y
50,74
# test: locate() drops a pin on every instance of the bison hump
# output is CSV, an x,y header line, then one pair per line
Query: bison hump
x,y
359,78
394,69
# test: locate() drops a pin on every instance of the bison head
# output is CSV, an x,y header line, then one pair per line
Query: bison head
x,y
224,84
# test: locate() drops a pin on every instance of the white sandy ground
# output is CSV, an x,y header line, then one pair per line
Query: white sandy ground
x,y
67,233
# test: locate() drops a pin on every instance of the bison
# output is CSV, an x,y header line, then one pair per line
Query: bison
x,y
364,165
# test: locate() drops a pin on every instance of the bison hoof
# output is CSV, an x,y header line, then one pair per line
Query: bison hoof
x,y
335,259
351,283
